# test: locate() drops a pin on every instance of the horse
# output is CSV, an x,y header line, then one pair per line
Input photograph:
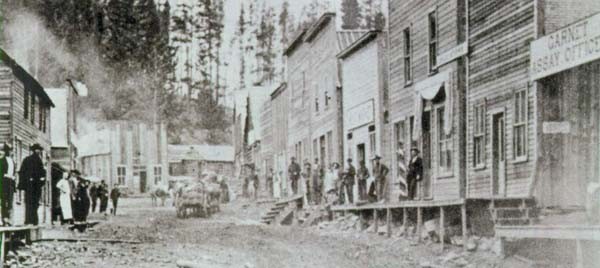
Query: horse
x,y
159,191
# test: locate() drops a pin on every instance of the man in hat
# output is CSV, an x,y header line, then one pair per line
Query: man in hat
x,y
306,177
415,172
317,182
294,174
7,169
31,180
380,172
349,174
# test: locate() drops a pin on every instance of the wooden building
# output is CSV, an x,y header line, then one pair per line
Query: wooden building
x,y
64,126
280,117
24,120
365,93
193,160
427,91
138,154
266,137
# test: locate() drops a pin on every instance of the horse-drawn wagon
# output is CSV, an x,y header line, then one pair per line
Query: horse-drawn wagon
x,y
198,197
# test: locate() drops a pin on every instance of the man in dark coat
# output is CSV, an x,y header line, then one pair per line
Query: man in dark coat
x,y
102,191
380,172
294,174
348,181
94,196
415,172
31,180
7,168
362,176
115,193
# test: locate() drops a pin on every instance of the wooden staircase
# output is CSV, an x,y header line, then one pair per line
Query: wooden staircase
x,y
513,211
281,210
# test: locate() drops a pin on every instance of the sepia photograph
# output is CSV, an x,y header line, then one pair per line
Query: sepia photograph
x,y
300,133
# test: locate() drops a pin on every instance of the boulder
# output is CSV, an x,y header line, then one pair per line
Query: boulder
x,y
471,244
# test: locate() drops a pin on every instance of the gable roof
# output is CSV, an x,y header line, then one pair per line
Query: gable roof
x,y
28,81
358,44
318,25
202,152
294,44
349,37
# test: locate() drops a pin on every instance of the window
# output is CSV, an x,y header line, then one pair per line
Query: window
x,y
444,144
32,110
479,135
26,106
400,146
315,149
329,146
326,99
350,145
41,119
433,36
372,143
316,104
407,56
121,173
158,174
520,125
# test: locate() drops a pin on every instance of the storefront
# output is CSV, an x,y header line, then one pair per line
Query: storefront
x,y
566,67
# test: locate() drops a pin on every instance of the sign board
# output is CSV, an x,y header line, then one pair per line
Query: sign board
x,y
361,114
452,54
566,48
562,127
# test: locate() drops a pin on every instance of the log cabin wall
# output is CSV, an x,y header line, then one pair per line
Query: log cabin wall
x,y
321,40
412,18
499,36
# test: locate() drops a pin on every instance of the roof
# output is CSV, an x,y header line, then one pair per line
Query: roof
x,y
347,38
278,90
357,44
211,153
28,81
295,42
316,27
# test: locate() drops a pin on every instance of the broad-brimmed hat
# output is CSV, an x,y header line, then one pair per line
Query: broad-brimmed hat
x,y
376,157
76,172
415,149
6,148
36,146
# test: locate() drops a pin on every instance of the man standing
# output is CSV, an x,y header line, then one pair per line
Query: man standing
x,y
415,172
349,175
115,193
31,180
269,182
102,190
94,196
380,172
7,169
317,182
254,180
306,177
294,174
363,175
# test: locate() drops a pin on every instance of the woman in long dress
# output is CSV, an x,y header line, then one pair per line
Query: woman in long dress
x,y
64,187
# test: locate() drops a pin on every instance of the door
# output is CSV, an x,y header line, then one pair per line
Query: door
x,y
142,181
498,155
426,185
322,152
360,153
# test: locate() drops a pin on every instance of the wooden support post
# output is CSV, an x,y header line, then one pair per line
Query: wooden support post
x,y
361,219
389,222
463,215
2,249
579,257
405,221
442,231
419,222
376,219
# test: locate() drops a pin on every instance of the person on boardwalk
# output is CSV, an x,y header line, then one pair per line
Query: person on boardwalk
x,y
349,175
81,201
294,174
115,193
64,188
306,184
362,176
415,172
94,196
317,182
329,184
269,182
102,191
7,169
380,172
32,177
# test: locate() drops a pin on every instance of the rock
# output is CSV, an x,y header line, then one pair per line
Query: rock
x,y
485,244
426,264
401,231
382,230
471,245
432,225
456,240
497,247
450,257
461,262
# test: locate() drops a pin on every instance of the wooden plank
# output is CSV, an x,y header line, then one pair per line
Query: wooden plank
x,y
463,215
442,229
2,248
403,204
389,222
571,232
419,223
376,219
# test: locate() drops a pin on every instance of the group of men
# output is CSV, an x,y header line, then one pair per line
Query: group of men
x,y
319,184
75,192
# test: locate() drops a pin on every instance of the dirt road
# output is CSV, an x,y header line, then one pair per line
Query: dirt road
x,y
231,238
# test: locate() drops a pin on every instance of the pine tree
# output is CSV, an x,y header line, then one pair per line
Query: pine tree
x,y
241,35
352,16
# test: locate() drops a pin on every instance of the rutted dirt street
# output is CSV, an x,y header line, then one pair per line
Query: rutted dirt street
x,y
234,238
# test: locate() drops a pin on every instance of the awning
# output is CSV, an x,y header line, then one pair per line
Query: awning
x,y
427,90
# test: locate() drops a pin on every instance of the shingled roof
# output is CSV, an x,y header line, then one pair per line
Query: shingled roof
x,y
28,81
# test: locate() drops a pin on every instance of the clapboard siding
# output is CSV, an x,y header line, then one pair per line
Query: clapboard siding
x,y
499,38
299,99
414,14
323,74
560,13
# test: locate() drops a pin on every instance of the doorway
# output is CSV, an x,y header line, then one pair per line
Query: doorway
x,y
360,153
142,181
498,155
322,152
426,185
